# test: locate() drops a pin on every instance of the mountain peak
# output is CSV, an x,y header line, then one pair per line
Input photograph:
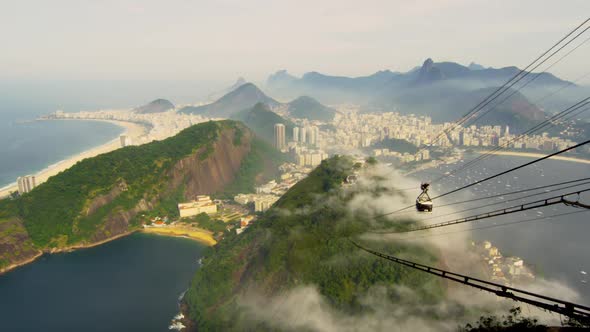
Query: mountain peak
x,y
429,72
243,97
156,106
475,66
280,77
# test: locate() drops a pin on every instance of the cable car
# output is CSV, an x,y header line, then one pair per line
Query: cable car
x,y
423,202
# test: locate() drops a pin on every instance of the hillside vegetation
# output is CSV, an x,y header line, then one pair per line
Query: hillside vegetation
x,y
302,240
395,144
262,120
110,194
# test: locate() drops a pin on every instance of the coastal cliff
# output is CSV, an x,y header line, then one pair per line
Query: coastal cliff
x,y
113,194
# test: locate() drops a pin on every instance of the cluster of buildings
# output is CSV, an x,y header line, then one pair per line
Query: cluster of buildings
x,y
474,136
403,157
202,204
267,194
358,130
507,270
301,136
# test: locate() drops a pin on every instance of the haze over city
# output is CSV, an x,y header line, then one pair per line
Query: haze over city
x,y
294,165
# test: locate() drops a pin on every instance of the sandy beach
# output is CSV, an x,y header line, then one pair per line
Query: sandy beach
x,y
200,235
535,155
132,130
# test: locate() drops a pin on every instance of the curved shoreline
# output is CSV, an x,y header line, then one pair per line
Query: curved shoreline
x,y
133,130
534,155
201,236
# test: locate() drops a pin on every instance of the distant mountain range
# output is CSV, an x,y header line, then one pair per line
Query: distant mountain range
x,y
442,90
244,97
156,106
366,88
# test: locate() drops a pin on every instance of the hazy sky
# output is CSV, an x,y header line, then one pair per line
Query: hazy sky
x,y
223,39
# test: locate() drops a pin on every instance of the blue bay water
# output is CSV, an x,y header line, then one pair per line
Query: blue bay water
x,y
30,146
130,284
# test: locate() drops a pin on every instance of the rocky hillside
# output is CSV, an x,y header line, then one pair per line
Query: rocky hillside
x,y
109,195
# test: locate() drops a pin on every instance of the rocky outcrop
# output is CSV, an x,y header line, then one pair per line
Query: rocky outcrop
x,y
206,171
210,174
16,247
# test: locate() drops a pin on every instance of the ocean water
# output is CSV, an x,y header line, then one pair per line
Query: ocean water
x,y
130,284
558,247
28,146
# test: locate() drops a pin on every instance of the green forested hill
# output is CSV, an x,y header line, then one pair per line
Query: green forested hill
x,y
107,195
308,108
262,120
297,243
394,144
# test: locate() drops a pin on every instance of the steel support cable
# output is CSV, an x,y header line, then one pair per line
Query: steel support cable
x,y
513,169
491,177
488,197
528,73
576,311
524,70
510,193
560,199
507,201
481,106
530,81
511,223
549,122
542,125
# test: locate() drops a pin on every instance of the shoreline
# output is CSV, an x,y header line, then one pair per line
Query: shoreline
x,y
133,130
534,155
63,250
201,236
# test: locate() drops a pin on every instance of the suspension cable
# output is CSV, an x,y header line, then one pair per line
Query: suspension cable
x,y
509,210
576,311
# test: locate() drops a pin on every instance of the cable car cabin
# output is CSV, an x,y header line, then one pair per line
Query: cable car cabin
x,y
423,202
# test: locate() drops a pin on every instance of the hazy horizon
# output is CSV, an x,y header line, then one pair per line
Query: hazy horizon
x,y
218,41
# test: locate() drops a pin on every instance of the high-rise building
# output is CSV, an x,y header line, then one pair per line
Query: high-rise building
x,y
279,137
507,132
316,135
125,140
310,135
295,134
302,134
25,183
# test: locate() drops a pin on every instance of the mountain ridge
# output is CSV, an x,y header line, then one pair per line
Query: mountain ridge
x,y
107,196
245,96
